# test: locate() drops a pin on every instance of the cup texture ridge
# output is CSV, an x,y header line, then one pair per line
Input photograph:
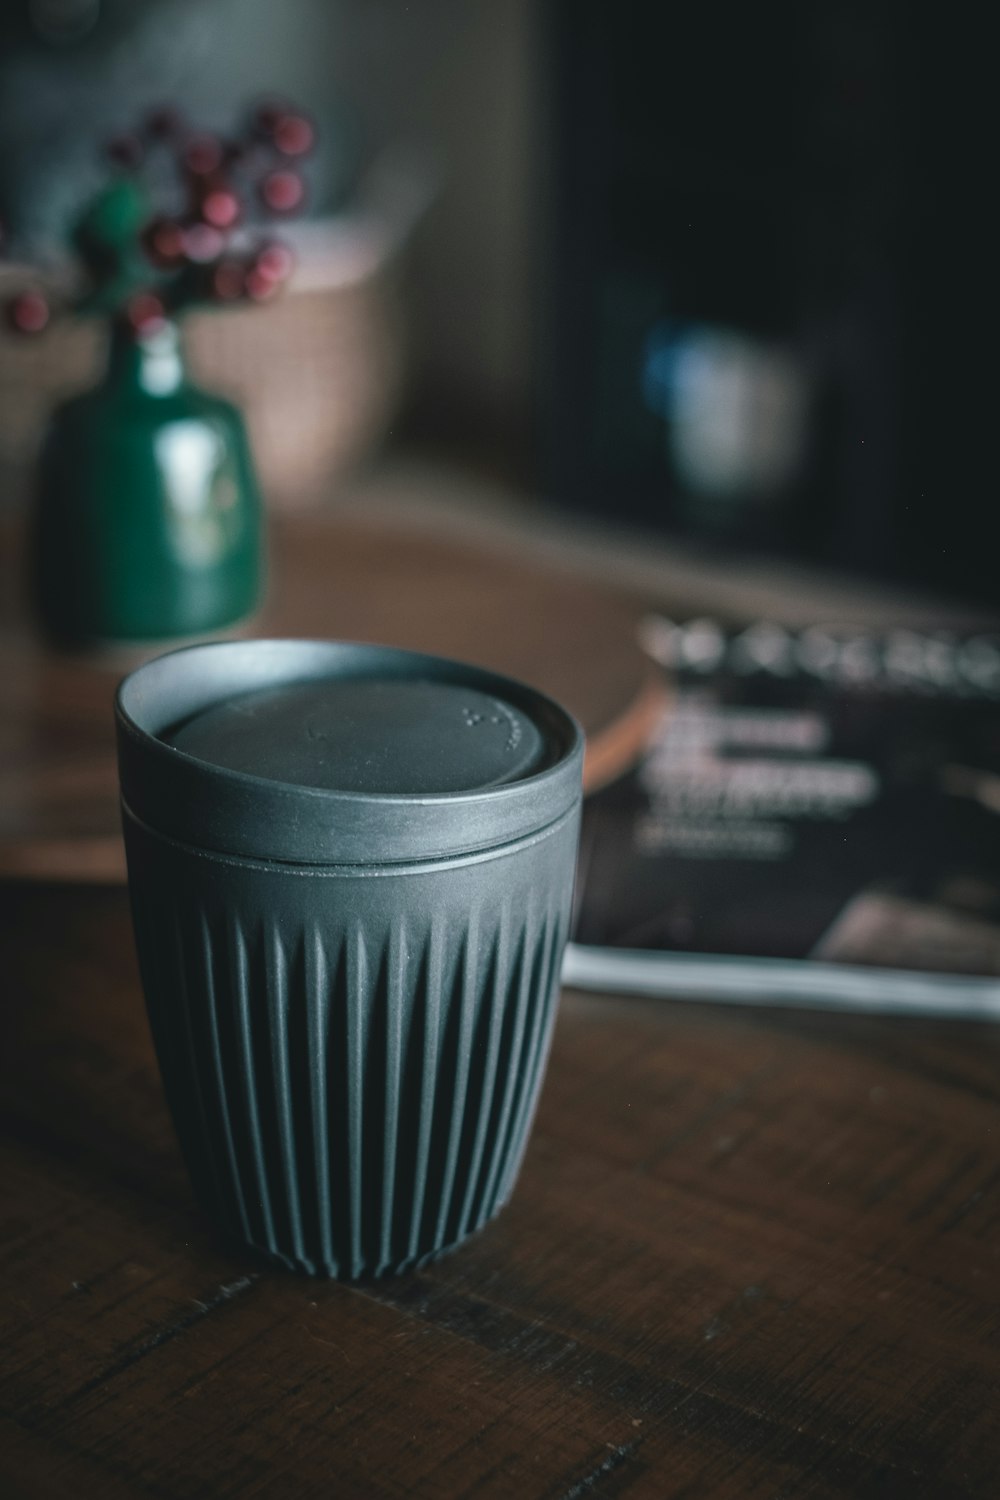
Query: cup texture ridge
x,y
352,1088
351,994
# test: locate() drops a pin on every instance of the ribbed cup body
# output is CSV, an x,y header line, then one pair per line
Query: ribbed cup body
x,y
352,1054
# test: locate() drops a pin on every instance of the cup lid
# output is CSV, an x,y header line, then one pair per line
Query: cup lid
x,y
329,752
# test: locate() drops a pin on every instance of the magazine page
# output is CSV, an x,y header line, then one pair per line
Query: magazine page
x,y
817,818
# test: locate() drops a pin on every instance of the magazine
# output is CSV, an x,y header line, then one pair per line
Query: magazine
x,y
815,821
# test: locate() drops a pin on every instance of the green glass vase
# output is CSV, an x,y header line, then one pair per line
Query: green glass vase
x,y
147,522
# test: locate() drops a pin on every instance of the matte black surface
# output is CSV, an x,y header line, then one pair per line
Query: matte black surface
x,y
352,1062
233,812
368,735
352,1044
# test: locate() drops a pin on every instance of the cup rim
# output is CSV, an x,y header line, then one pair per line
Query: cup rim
x,y
241,813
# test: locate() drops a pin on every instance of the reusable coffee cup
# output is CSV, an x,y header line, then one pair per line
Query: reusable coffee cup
x,y
351,870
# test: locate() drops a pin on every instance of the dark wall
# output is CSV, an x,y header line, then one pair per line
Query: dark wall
x,y
800,181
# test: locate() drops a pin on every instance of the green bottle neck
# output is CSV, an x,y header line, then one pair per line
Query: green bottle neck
x,y
151,363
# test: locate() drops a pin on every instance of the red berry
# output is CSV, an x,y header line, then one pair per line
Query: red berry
x,y
203,155
125,151
203,243
282,192
294,135
220,207
145,313
274,261
229,280
28,312
163,242
258,286
164,123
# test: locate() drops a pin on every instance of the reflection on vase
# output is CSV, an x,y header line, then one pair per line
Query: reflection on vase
x,y
147,522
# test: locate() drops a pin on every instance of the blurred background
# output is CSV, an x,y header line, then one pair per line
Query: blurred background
x,y
709,273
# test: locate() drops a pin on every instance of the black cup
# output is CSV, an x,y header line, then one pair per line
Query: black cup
x,y
351,870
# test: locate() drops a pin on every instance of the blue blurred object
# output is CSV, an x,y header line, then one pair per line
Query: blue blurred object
x,y
735,410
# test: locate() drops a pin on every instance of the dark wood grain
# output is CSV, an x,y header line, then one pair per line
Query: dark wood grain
x,y
750,1255
331,577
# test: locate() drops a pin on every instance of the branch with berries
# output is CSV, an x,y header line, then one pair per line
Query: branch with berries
x,y
182,222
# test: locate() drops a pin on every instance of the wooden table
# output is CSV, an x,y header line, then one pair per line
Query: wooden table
x,y
751,1254
332,577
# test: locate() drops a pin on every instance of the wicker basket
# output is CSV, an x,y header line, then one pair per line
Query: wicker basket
x,y
318,373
